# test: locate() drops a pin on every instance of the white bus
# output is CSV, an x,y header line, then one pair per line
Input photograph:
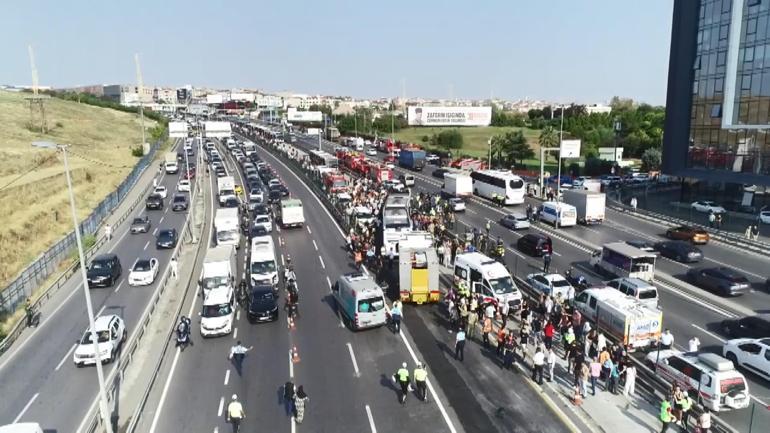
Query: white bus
x,y
321,158
622,260
487,183
396,221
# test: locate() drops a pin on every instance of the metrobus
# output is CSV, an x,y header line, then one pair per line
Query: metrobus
x,y
319,158
488,183
396,222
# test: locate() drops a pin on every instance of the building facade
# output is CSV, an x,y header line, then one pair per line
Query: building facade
x,y
718,100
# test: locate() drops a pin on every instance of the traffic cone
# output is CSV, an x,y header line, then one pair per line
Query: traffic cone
x,y
294,355
291,324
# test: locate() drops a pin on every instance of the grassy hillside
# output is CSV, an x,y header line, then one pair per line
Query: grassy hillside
x,y
474,138
33,189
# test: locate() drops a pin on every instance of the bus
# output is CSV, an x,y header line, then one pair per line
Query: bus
x,y
624,261
396,222
488,183
319,157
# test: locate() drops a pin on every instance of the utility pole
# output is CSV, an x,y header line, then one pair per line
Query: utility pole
x,y
140,92
561,140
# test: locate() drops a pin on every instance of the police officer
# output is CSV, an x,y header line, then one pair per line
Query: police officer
x,y
402,377
420,381
235,413
29,309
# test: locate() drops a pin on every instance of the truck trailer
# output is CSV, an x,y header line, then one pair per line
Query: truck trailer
x,y
413,159
588,204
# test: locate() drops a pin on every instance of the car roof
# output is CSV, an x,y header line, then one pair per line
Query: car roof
x,y
102,323
220,295
262,288
104,257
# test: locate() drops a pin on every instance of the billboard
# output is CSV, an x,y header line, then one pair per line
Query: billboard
x,y
570,149
214,99
181,95
177,129
449,116
292,115
216,129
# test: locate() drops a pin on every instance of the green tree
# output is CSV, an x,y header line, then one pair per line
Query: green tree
x,y
448,139
651,159
517,147
498,149
548,137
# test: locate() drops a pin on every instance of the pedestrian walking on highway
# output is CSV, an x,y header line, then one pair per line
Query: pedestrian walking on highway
x,y
502,334
440,253
235,414
402,377
237,354
538,361
550,359
633,204
704,421
546,261
288,397
582,374
666,415
395,316
712,219
300,402
754,232
108,232
473,320
174,267
666,340
630,385
460,345
421,382
719,221
486,328
693,345
596,371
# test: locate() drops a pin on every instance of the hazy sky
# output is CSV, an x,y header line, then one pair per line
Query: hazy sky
x,y
559,50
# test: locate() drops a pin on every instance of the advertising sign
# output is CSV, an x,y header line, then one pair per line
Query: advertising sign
x,y
216,129
214,99
177,129
570,148
449,116
303,116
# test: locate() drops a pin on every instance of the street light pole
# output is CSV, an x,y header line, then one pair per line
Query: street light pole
x,y
561,140
103,405
489,163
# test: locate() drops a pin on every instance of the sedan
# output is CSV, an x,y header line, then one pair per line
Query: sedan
x,y
221,172
179,203
263,305
264,222
371,151
167,238
393,185
457,204
140,225
747,327
764,216
154,202
721,280
707,206
439,173
688,233
679,251
161,191
515,221
143,272
551,284
183,185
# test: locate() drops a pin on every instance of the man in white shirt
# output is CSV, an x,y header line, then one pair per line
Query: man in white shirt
x,y
551,363
666,340
538,360
490,311
693,344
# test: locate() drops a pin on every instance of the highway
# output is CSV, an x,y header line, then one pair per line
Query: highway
x,y
38,377
687,313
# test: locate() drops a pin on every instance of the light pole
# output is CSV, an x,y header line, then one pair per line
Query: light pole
x,y
561,140
617,126
103,405
489,163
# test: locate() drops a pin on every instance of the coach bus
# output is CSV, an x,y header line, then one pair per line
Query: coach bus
x,y
319,158
491,183
396,222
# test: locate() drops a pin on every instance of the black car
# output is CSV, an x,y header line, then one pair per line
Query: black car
x,y
534,244
103,271
154,202
140,225
681,251
257,231
284,190
439,173
261,209
275,195
179,203
747,327
221,172
167,238
724,281
231,202
263,304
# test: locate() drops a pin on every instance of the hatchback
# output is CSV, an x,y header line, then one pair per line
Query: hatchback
x,y
534,244
721,280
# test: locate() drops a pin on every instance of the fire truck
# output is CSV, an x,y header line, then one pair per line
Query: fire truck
x,y
335,182
379,172
468,164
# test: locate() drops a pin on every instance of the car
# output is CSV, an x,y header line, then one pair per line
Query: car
x,y
189,174
140,225
154,202
515,221
432,158
393,185
261,209
143,272
764,217
263,221
167,238
263,304
391,165
371,151
161,191
110,334
706,206
273,182
257,231
737,206
439,173
534,244
695,235
747,327
221,172
284,190
231,202
680,251
179,202
103,271
551,284
749,354
183,185
721,280
646,246
457,204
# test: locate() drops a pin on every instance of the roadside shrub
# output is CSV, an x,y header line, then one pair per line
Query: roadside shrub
x,y
137,151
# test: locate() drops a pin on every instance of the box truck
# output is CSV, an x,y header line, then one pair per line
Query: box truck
x,y
227,227
225,189
218,268
170,163
589,205
413,159
457,185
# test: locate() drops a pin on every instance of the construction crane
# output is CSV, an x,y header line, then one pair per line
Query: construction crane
x,y
36,101
140,92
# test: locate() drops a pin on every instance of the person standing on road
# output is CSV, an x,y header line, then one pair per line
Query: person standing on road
x,y
596,371
693,344
300,401
666,340
704,421
551,361
486,328
630,386
460,345
420,382
712,219
235,413
666,415
237,353
395,316
108,232
402,377
546,261
633,204
174,268
538,361
288,397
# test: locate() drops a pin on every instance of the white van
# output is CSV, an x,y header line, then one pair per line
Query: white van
x,y
488,277
558,214
22,427
719,383
361,300
218,312
638,289
262,265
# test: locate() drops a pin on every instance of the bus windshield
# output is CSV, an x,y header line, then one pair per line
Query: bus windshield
x,y
395,218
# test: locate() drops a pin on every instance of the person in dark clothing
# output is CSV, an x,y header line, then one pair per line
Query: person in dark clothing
x,y
546,261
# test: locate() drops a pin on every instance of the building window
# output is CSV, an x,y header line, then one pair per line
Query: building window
x,y
746,82
719,85
721,58
748,55
716,111
726,4
695,87
751,26
723,32
753,2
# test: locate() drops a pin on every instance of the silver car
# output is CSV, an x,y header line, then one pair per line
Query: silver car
x,y
515,221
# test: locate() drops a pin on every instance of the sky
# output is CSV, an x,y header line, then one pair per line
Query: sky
x,y
559,50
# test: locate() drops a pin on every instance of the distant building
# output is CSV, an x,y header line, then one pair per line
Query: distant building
x,y
591,109
128,94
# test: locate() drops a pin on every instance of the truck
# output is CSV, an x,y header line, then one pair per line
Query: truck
x,y
291,213
413,159
588,204
313,131
170,163
457,185
218,269
621,260
225,189
623,319
227,227
418,268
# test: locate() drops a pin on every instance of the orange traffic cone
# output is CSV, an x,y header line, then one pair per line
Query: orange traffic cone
x,y
294,355
291,324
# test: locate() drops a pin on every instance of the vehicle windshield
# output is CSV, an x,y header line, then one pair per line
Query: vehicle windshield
x,y
98,265
516,183
180,198
225,236
559,283
102,337
261,268
371,305
339,183
395,218
263,297
363,215
214,282
648,294
216,310
521,218
138,221
142,265
263,219
502,286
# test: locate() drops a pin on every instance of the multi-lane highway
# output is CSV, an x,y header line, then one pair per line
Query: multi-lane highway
x,y
37,375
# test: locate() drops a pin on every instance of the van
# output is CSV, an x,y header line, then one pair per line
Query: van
x,y
22,427
262,265
558,214
361,300
218,312
487,276
407,179
720,385
638,289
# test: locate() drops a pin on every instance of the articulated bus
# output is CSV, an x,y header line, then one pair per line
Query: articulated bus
x,y
396,222
488,183
319,158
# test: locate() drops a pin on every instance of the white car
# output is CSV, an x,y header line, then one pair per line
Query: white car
x,y
110,334
764,217
393,185
751,354
390,165
457,204
263,221
551,284
707,206
143,272
161,190
183,185
371,151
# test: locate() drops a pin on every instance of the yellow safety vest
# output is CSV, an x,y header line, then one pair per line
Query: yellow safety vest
x,y
403,375
665,415
420,374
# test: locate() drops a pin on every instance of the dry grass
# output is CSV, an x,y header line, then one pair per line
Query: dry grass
x,y
35,211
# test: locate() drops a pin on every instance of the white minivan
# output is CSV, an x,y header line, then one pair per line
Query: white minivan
x,y
558,214
636,288
361,300
21,427
218,312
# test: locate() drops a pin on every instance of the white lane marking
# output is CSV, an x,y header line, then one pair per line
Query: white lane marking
x,y
238,315
101,310
322,262
166,210
278,228
353,358
293,425
227,376
371,419
282,262
146,245
161,220
329,282
221,406
308,229
64,358
26,407
315,245
682,294
471,211
516,252
235,333
556,254
117,289
291,366
155,232
707,332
